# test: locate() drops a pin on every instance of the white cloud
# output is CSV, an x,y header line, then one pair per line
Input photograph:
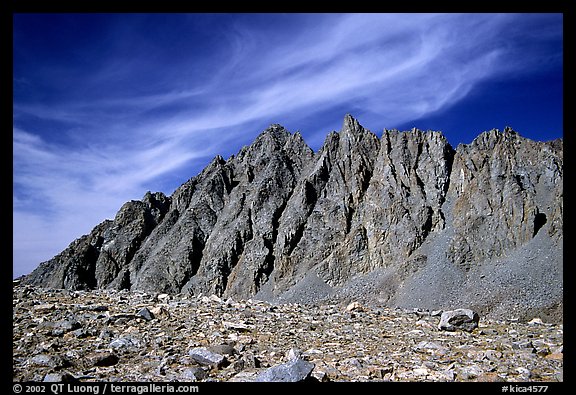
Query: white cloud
x,y
60,193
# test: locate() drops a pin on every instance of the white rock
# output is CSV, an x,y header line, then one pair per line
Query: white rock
x,y
206,357
524,372
420,371
293,353
463,319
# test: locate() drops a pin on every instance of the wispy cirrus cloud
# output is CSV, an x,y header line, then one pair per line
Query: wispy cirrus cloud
x,y
141,102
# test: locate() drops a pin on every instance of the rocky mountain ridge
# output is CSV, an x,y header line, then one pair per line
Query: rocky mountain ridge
x,y
404,220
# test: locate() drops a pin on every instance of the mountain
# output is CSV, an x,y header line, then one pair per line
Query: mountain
x,y
404,220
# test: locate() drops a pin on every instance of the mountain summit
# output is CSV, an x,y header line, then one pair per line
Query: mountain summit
x,y
404,220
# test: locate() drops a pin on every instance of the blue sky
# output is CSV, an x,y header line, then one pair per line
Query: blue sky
x,y
109,106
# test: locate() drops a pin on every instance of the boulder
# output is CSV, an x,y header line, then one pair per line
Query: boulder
x,y
295,370
459,319
146,314
204,356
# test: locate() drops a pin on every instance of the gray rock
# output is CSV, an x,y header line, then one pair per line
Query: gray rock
x,y
251,361
459,319
431,347
524,373
83,333
223,349
61,327
52,361
59,377
243,377
469,372
293,353
294,370
126,343
425,224
93,308
237,326
106,334
146,314
194,374
559,350
206,357
492,355
525,345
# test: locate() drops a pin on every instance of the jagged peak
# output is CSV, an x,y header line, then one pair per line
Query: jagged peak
x,y
218,160
331,142
154,197
215,163
354,134
276,134
351,124
489,139
296,141
420,134
275,130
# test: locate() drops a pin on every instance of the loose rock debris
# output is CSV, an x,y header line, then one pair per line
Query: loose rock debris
x,y
106,335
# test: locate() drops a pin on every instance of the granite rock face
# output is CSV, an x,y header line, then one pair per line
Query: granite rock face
x,y
405,220
505,186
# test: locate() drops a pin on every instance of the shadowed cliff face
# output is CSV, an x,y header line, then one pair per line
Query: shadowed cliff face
x,y
402,212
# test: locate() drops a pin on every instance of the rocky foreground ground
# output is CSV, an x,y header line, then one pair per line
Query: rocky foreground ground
x,y
133,336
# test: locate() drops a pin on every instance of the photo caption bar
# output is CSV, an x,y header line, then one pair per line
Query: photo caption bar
x,y
103,388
